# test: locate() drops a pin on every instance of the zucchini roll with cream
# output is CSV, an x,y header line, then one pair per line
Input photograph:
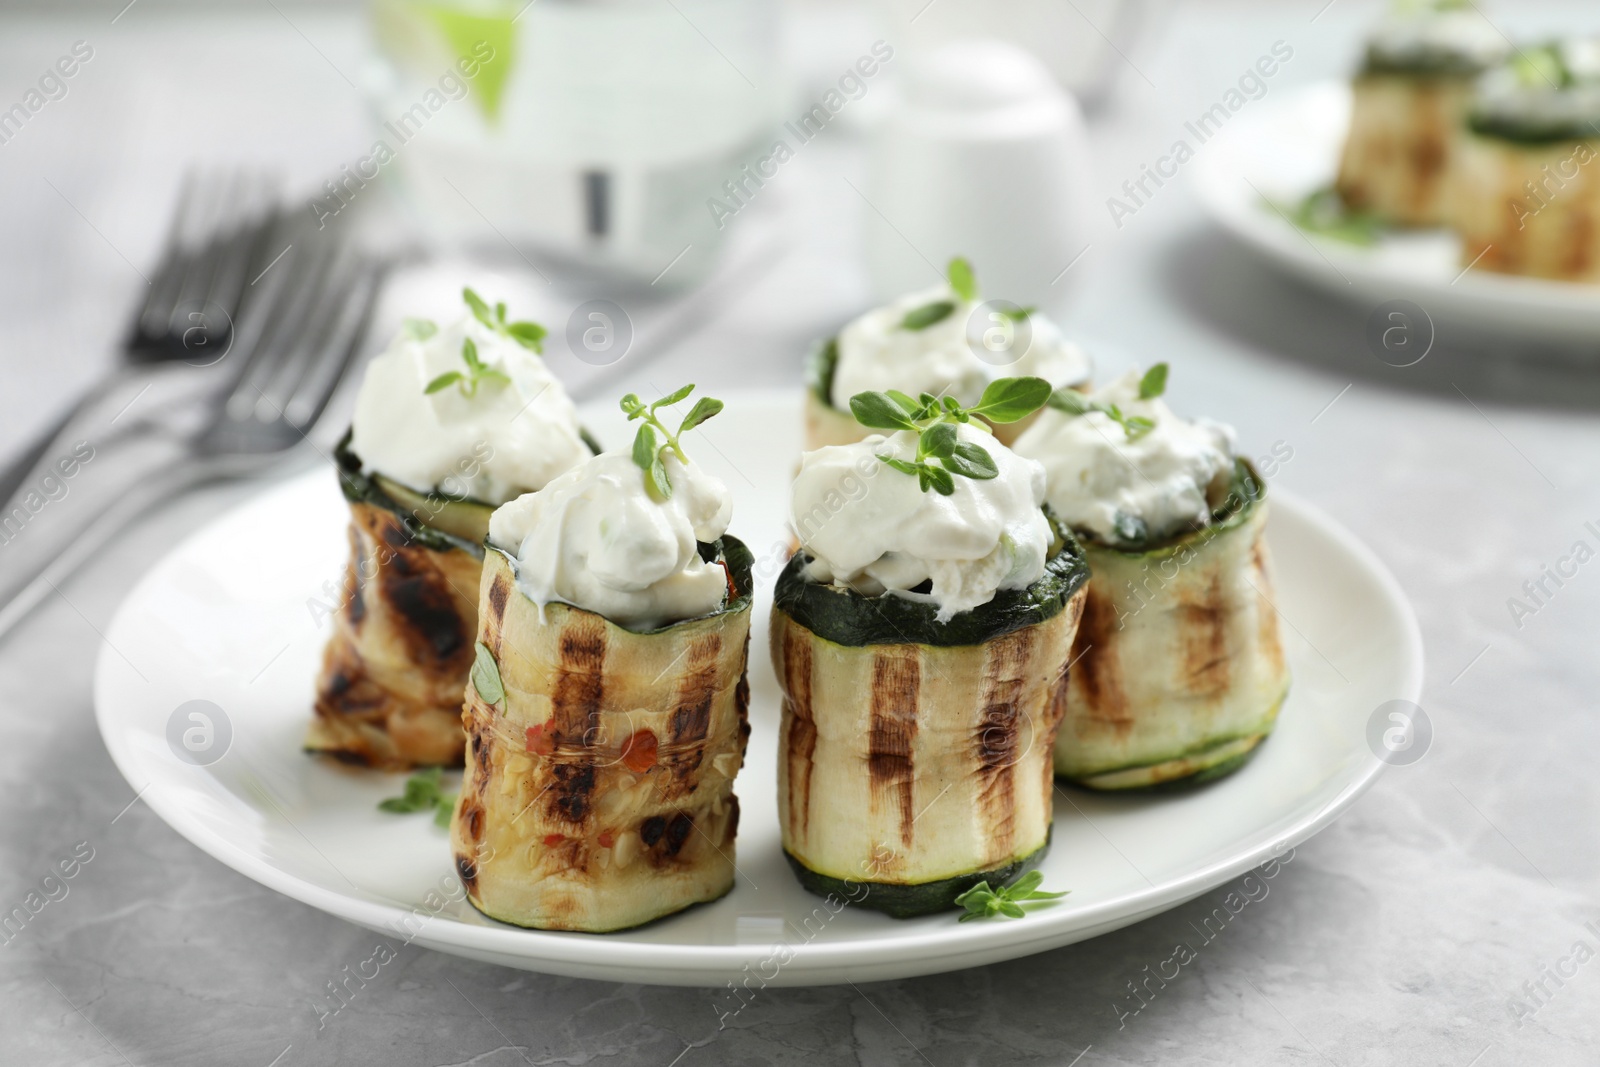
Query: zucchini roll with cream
x,y
450,422
921,636
936,341
1406,109
1178,671
607,712
1527,192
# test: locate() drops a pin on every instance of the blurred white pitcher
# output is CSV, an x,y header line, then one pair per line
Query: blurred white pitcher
x,y
984,156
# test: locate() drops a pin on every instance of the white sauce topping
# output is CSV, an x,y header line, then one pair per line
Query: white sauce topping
x,y
1511,95
1462,33
1101,483
596,539
872,528
505,440
876,353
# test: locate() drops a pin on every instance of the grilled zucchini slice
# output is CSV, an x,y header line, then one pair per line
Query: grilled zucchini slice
x,y
1179,670
915,756
598,792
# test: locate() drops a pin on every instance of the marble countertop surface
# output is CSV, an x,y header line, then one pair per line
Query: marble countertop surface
x,y
1425,927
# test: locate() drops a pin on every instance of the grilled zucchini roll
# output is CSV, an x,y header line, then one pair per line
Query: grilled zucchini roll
x,y
449,422
1406,110
1178,668
1526,194
607,713
921,638
942,340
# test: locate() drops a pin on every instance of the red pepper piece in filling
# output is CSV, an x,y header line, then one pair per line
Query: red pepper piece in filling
x,y
539,742
639,751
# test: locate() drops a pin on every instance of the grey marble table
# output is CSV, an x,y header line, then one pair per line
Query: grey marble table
x,y
1427,926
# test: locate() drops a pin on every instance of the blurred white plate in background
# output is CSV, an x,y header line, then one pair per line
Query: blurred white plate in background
x,y
1283,148
225,618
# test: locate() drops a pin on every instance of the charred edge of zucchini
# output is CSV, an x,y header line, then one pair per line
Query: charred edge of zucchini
x,y
1530,131
1108,781
1245,490
903,900
726,549
362,488
820,365
848,618
1428,64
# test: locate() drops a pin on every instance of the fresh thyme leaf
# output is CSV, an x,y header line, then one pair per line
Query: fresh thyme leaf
x,y
972,461
1018,314
500,312
419,329
486,675
423,792
703,409
644,446
906,403
920,318
656,480
961,279
938,478
1071,402
529,335
901,465
1136,426
469,352
982,902
673,397
940,440
1011,399
1324,213
480,310
879,411
1154,382
443,381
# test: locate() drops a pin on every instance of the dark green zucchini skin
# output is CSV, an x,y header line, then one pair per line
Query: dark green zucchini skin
x,y
820,365
361,488
904,901
1524,130
1425,63
845,617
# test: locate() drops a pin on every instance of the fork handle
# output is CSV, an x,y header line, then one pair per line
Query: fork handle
x,y
71,504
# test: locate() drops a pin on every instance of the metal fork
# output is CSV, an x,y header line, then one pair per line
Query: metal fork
x,y
218,230
292,345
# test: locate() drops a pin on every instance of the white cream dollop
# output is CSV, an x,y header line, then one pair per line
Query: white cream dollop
x,y
872,528
1103,484
1414,36
595,538
876,353
504,440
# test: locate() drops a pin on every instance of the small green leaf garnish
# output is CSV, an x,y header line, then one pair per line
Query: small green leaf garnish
x,y
486,675
1011,399
1324,213
647,455
529,335
1018,314
443,381
961,279
940,450
1543,65
920,318
423,792
982,902
1154,382
419,329
1151,385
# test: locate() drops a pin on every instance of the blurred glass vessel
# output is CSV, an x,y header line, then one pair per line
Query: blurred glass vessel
x,y
590,133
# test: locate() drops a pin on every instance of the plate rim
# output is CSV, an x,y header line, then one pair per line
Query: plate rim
x,y
812,963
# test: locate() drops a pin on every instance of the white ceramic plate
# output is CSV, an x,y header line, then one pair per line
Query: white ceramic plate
x,y
225,618
1283,148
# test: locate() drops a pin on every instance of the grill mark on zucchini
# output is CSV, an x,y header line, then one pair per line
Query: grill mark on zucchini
x,y
896,683
575,712
692,718
1271,642
802,740
998,741
1205,642
354,595
419,593
468,870
1093,651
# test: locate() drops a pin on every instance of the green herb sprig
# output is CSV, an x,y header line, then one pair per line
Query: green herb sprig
x,y
1152,385
529,335
423,792
477,373
940,451
982,902
649,450
1323,212
1542,65
962,282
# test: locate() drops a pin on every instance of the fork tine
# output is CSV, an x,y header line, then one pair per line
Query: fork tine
x,y
241,248
162,296
352,312
282,323
314,325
